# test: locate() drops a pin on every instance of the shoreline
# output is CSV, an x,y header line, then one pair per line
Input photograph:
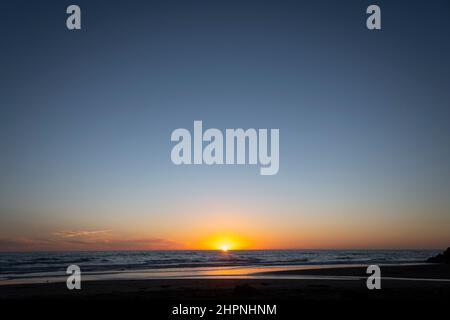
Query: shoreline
x,y
213,272
400,281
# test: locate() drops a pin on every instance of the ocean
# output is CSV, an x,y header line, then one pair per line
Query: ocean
x,y
43,265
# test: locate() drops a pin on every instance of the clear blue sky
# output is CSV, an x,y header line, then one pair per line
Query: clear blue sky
x,y
86,118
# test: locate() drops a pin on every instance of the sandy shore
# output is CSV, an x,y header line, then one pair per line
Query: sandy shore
x,y
398,283
417,271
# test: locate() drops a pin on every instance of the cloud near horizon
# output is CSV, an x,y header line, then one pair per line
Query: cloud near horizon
x,y
83,233
85,240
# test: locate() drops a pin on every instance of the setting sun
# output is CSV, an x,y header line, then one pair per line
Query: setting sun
x,y
224,241
225,245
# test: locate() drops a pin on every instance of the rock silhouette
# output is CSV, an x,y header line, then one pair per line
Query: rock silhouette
x,y
441,257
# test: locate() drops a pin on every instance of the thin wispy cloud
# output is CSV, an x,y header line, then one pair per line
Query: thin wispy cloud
x,y
80,233
86,240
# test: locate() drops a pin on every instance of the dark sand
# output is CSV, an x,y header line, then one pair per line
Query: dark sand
x,y
254,289
418,271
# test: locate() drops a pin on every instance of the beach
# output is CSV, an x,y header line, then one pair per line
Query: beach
x,y
424,282
326,291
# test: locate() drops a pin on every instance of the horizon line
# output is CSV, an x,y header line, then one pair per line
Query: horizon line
x,y
230,250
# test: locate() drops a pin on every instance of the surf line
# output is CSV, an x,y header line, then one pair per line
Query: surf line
x,y
209,147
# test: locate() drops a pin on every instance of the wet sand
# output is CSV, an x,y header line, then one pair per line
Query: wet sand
x,y
416,271
414,282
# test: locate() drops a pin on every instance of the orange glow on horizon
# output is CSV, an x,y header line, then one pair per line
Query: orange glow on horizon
x,y
224,242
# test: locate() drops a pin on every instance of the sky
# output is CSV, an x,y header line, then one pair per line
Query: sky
x,y
86,118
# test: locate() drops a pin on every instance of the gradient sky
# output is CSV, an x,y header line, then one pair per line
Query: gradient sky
x,y
86,118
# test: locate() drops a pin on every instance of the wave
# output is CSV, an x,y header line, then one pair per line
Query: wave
x,y
57,262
